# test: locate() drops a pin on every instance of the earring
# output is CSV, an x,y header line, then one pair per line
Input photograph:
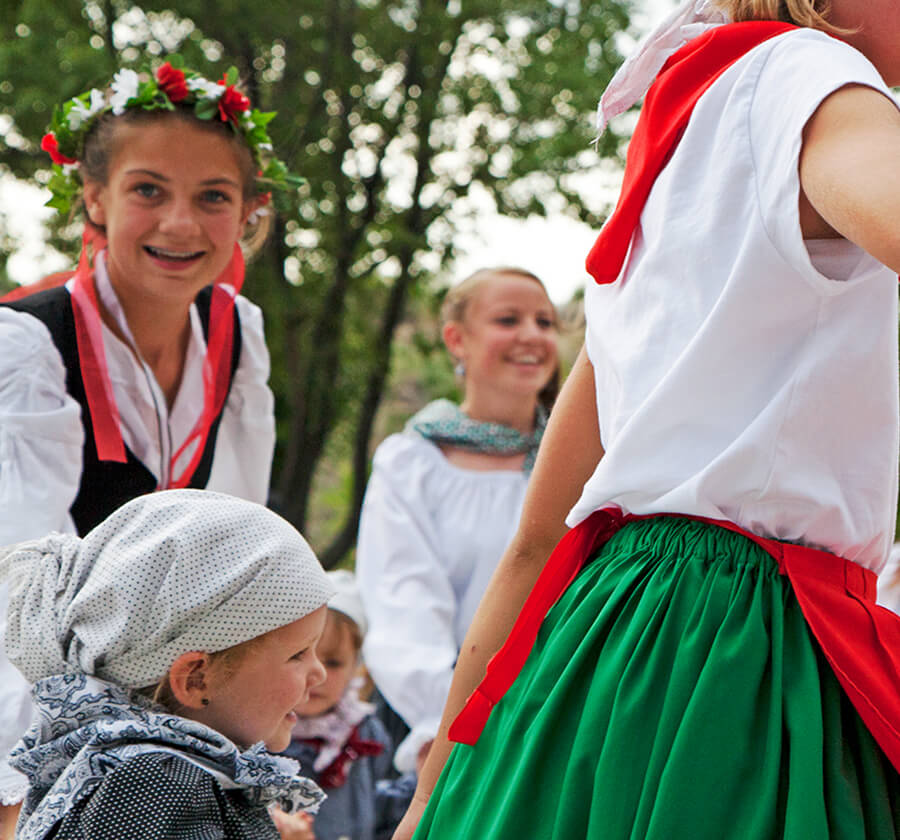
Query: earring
x,y
460,370
204,701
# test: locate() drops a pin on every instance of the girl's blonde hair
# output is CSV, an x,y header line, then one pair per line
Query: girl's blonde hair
x,y
458,297
811,13
457,300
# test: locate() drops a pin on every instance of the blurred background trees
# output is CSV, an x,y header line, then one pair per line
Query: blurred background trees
x,y
406,117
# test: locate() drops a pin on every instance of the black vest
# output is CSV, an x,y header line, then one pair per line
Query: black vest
x,y
106,485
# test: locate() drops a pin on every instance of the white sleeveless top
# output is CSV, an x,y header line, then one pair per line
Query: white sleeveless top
x,y
741,373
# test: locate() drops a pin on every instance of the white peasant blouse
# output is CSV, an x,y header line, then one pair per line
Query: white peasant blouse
x,y
430,537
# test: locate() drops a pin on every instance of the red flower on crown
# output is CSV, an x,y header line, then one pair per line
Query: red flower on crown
x,y
232,103
51,147
171,81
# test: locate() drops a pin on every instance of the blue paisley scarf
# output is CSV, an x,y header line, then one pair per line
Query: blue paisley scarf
x,y
444,422
86,727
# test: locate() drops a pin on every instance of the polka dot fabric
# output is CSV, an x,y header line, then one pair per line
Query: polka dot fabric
x,y
167,573
161,797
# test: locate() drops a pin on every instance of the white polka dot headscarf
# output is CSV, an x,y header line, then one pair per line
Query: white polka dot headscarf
x,y
167,573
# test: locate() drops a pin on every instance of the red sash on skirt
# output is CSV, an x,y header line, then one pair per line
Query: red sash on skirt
x,y
860,639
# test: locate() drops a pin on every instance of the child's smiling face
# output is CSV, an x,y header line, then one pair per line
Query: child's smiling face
x,y
254,700
338,652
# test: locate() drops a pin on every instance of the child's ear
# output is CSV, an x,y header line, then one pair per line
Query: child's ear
x,y
93,203
189,679
452,334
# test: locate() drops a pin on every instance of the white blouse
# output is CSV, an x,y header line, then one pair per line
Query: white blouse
x,y
743,373
41,440
430,537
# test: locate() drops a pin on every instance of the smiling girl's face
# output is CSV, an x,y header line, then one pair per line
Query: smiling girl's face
x,y
173,206
508,336
253,699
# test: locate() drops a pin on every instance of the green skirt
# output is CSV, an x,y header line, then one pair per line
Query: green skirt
x,y
673,692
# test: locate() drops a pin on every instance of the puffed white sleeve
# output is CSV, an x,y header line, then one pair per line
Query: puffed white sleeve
x,y
410,648
41,439
246,439
41,435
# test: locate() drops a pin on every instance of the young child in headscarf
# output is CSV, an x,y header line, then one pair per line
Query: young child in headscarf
x,y
339,738
168,648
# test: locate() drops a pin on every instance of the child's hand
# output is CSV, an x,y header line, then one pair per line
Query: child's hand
x,y
297,826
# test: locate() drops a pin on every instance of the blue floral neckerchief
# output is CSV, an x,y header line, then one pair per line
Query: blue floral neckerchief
x,y
445,422
86,727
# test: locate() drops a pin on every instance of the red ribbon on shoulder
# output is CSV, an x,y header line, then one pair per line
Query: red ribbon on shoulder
x,y
216,364
860,639
95,372
92,354
668,106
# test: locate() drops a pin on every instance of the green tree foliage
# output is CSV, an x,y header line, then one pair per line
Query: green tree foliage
x,y
402,114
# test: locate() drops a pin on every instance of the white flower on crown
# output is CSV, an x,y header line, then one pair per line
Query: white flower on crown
x,y
257,214
124,87
210,89
82,113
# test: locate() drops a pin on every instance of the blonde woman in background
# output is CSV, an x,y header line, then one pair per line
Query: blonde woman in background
x,y
445,494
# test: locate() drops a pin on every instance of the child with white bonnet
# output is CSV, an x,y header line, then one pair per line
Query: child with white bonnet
x,y
167,648
339,740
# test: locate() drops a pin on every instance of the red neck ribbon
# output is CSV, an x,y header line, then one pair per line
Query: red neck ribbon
x,y
668,106
92,354
335,774
95,372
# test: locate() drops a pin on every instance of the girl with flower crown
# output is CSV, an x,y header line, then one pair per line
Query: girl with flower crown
x,y
146,370
701,655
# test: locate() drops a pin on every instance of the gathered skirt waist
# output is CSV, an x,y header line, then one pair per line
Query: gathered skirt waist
x,y
859,639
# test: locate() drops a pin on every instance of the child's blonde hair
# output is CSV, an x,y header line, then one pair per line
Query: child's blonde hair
x,y
344,621
228,660
811,13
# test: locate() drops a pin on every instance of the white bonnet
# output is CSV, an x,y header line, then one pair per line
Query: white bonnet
x,y
346,598
167,573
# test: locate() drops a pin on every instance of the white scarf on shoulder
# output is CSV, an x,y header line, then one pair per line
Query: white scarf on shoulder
x,y
632,80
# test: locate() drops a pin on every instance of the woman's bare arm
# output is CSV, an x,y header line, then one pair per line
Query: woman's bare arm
x,y
569,453
850,169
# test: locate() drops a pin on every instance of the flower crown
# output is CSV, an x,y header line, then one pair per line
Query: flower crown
x,y
172,85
